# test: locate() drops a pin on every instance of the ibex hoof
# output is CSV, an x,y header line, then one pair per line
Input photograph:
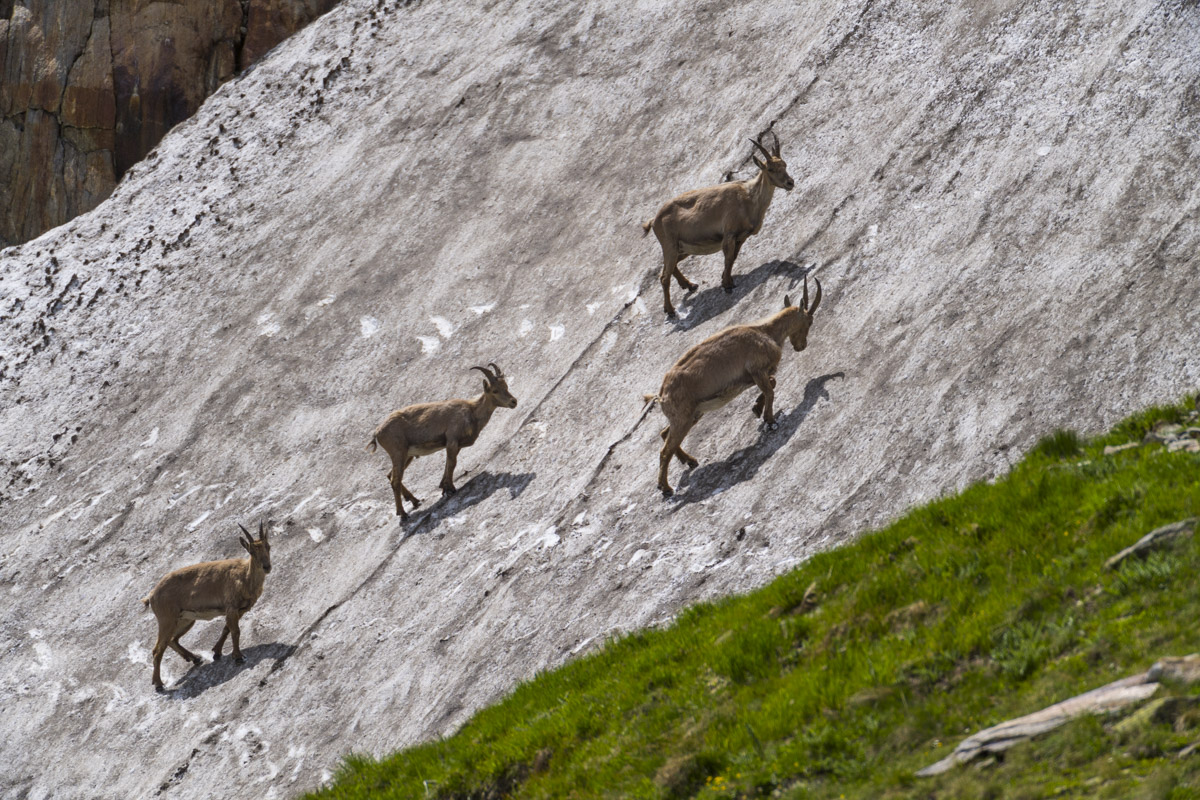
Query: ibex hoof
x,y
667,491
671,313
774,426
216,655
691,287
197,660
158,687
416,503
728,289
693,463
241,659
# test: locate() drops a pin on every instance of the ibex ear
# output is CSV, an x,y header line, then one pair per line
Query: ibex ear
x,y
758,163
246,545
787,301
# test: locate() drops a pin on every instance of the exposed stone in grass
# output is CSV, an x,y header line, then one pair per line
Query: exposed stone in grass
x,y
998,738
1177,669
1153,540
1163,432
1117,448
1183,445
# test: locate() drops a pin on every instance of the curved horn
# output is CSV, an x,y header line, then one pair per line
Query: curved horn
x,y
774,142
804,299
817,300
758,144
248,536
262,536
496,368
490,377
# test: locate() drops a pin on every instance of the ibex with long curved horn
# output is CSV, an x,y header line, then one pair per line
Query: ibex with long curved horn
x,y
716,218
712,373
425,428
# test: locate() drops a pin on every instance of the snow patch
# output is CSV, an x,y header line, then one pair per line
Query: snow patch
x,y
444,327
429,344
556,332
525,329
369,326
481,310
267,326
196,522
316,535
591,308
151,439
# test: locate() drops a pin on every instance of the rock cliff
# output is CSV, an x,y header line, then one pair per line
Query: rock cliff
x,y
1000,200
86,90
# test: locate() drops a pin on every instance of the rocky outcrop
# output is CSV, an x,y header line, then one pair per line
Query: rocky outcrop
x,y
87,90
1110,698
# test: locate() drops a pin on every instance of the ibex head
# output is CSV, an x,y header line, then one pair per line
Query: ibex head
x,y
775,168
260,550
799,336
495,386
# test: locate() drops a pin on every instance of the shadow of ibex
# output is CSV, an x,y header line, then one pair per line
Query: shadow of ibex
x,y
708,479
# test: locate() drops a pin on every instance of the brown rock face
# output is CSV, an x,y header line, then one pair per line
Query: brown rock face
x,y
87,89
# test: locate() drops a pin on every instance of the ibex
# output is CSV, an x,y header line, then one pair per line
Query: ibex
x,y
425,428
226,588
715,218
712,373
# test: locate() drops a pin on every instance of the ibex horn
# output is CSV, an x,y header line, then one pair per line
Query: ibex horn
x,y
817,301
496,368
261,535
775,141
760,147
249,538
487,373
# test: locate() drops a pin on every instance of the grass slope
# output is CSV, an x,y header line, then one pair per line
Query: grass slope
x,y
845,676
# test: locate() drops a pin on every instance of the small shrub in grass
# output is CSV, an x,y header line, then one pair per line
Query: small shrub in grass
x,y
1061,444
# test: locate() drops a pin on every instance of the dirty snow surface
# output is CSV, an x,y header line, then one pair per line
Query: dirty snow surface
x,y
1000,200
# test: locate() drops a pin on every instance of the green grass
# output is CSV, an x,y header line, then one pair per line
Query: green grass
x,y
965,612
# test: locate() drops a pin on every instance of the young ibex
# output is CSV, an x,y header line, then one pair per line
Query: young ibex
x,y
425,428
715,218
712,373
226,588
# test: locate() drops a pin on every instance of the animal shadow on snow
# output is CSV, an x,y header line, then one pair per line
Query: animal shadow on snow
x,y
712,300
707,479
207,674
476,490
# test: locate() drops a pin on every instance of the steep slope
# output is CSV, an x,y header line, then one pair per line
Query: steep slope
x,y
1001,205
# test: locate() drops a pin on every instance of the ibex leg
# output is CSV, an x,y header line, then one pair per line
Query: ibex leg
x,y
670,267
166,630
447,483
731,245
766,385
762,399
183,627
674,438
680,453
